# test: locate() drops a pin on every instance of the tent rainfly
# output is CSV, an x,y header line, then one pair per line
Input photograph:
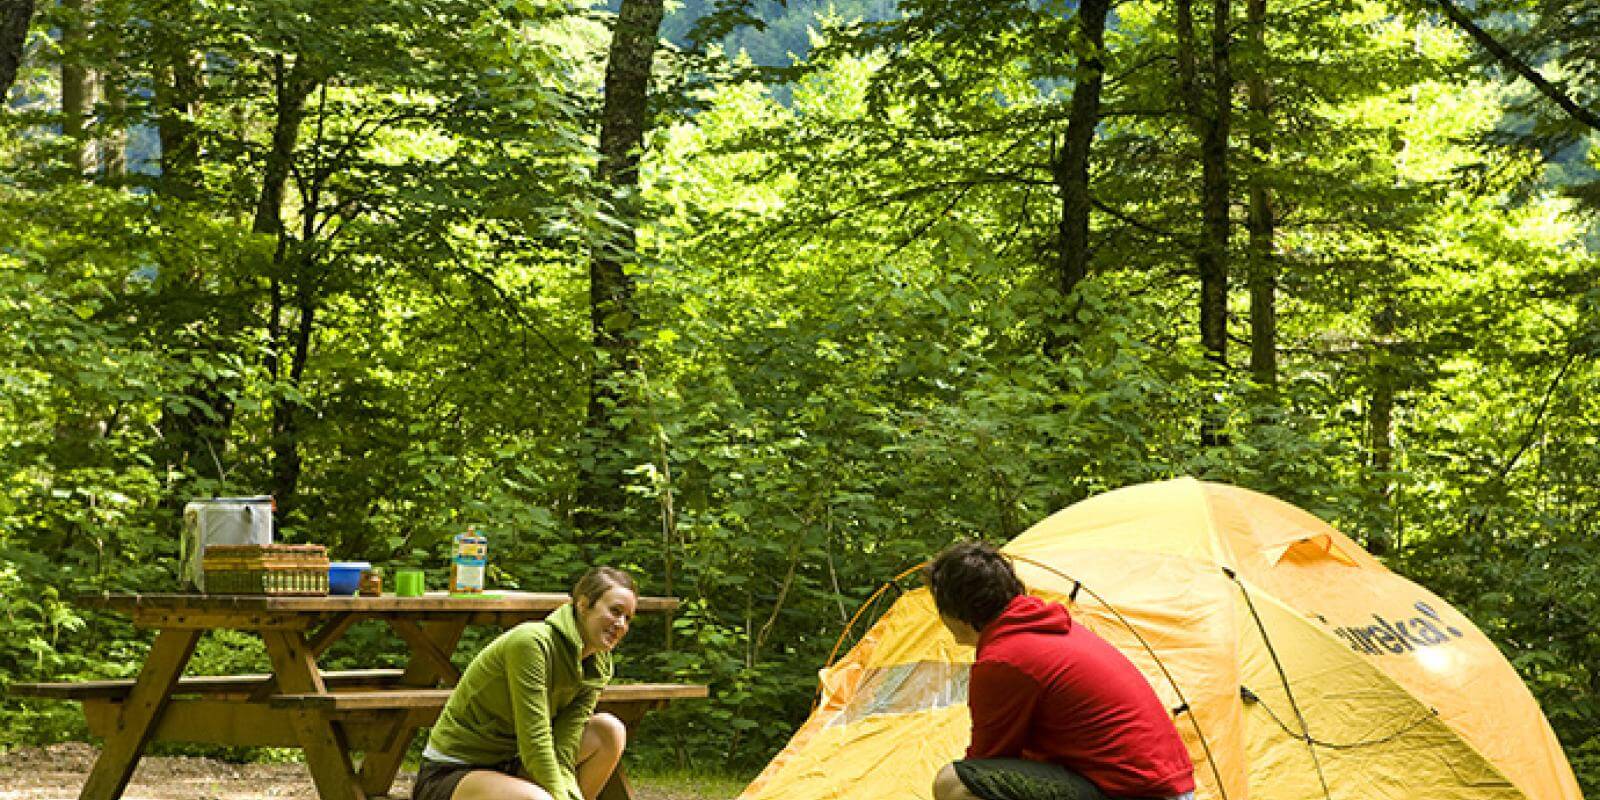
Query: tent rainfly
x,y
1296,665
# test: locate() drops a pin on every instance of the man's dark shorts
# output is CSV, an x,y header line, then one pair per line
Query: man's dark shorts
x,y
437,780
1017,779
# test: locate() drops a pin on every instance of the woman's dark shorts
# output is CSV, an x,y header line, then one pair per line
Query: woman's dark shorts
x,y
1017,779
436,780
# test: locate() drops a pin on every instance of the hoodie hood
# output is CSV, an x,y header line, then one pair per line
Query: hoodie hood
x,y
1025,614
564,621
593,672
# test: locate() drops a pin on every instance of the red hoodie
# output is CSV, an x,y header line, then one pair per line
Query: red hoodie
x,y
1045,689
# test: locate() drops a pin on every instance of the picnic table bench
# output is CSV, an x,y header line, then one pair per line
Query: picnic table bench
x,y
329,714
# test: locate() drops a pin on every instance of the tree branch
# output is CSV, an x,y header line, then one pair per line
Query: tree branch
x,y
1509,60
1135,223
1532,434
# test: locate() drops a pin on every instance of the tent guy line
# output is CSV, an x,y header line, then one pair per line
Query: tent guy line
x,y
1183,701
1252,698
1283,677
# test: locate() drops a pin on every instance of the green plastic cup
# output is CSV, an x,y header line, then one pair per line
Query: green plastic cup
x,y
408,583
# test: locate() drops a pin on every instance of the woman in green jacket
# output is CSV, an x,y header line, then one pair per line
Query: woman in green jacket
x,y
521,724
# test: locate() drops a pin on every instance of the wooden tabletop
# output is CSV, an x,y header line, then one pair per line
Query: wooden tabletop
x,y
432,601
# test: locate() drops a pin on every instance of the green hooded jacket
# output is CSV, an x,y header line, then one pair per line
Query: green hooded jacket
x,y
527,695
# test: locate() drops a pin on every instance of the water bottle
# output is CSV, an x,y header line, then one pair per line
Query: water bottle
x,y
467,562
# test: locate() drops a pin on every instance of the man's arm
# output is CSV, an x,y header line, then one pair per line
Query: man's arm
x,y
1002,699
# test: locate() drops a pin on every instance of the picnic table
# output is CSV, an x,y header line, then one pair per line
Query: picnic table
x,y
330,715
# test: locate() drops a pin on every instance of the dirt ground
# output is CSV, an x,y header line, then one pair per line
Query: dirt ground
x,y
57,773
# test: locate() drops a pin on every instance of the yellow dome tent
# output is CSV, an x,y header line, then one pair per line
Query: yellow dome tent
x,y
1297,666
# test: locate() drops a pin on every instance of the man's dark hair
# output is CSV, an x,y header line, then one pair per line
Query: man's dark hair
x,y
972,582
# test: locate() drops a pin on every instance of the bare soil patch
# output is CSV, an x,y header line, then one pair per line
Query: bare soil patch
x,y
57,772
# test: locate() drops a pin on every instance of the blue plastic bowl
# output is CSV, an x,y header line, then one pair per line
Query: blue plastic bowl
x,y
344,577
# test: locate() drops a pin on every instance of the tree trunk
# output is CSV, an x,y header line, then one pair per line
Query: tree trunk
x,y
177,97
285,414
1072,165
194,429
1210,106
111,147
1380,424
624,120
1261,220
293,87
77,85
15,15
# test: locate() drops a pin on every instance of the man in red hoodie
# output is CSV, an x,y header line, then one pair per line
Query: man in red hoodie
x,y
1057,713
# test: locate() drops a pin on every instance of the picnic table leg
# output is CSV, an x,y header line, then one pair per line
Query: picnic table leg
x,y
618,788
140,713
327,752
629,714
378,768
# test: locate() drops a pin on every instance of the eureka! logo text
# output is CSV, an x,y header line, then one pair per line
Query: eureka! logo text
x,y
1386,637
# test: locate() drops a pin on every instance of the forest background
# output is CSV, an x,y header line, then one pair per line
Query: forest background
x,y
769,302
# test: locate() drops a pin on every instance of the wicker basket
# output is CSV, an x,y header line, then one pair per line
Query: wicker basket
x,y
275,569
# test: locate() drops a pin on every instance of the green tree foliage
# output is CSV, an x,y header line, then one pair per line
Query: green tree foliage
x,y
854,346
1550,51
